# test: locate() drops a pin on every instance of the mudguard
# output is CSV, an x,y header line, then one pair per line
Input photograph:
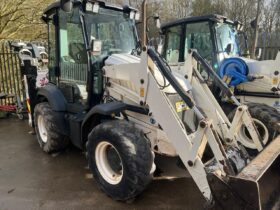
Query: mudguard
x,y
93,116
54,96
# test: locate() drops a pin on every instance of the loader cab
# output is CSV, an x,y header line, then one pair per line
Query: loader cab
x,y
213,36
80,40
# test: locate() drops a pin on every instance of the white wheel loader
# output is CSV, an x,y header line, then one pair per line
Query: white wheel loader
x,y
224,45
217,40
121,104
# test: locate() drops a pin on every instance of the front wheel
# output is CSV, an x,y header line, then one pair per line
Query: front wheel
x,y
120,159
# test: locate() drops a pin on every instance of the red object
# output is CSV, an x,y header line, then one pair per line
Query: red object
x,y
8,108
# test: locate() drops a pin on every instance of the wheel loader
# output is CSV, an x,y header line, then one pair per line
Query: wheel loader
x,y
118,100
218,40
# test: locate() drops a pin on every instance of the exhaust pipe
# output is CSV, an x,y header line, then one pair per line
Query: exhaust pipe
x,y
256,187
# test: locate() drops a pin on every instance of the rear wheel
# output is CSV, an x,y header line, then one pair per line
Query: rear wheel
x,y
48,135
120,159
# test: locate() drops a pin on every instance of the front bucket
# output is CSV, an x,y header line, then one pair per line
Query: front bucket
x,y
257,186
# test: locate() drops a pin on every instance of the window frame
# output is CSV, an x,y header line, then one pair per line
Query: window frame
x,y
61,15
53,22
181,53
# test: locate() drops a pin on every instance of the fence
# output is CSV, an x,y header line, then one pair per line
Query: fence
x,y
269,53
10,76
10,67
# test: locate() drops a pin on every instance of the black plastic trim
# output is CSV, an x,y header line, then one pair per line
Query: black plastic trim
x,y
54,96
257,94
137,109
219,82
213,17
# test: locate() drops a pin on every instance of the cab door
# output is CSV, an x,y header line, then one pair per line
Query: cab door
x,y
73,60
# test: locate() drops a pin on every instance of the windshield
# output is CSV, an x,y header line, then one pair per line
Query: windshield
x,y
227,38
114,29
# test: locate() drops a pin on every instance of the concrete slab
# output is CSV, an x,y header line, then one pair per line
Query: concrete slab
x,y
31,179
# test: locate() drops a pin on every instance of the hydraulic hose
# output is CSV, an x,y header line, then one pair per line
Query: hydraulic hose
x,y
171,79
219,82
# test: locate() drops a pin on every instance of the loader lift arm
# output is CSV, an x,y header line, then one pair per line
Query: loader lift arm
x,y
176,131
258,176
191,147
243,115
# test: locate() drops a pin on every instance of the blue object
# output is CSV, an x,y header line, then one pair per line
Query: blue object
x,y
236,69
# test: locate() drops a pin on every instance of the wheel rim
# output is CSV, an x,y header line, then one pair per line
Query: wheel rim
x,y
109,163
42,129
246,139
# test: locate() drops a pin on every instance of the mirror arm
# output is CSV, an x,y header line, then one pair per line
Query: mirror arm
x,y
66,5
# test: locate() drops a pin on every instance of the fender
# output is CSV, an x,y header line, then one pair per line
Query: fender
x,y
93,117
54,96
58,104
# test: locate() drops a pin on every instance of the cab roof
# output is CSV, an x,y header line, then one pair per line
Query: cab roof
x,y
195,19
56,5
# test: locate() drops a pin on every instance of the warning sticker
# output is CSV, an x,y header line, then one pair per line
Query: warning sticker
x,y
181,106
275,81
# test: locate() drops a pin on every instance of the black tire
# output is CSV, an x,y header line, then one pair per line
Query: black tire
x,y
268,116
134,152
54,140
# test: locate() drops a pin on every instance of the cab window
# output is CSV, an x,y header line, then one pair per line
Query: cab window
x,y
173,44
73,56
198,37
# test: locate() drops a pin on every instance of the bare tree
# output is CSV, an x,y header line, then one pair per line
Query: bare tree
x,y
256,29
20,19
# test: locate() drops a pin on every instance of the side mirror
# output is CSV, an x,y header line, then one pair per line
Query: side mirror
x,y
239,26
96,47
66,5
157,20
160,44
229,48
254,24
159,48
158,23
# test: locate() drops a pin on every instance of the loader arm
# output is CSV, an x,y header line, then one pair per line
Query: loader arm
x,y
228,158
207,101
187,147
